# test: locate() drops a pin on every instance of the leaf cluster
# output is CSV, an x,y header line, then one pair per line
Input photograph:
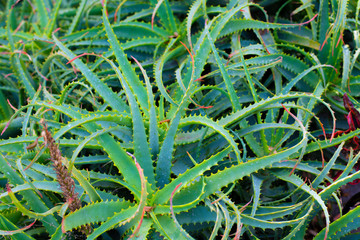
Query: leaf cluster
x,y
177,119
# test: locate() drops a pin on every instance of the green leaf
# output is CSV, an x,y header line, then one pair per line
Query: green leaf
x,y
130,76
33,200
94,213
228,175
166,15
76,19
229,86
8,228
167,227
42,13
110,97
342,226
163,195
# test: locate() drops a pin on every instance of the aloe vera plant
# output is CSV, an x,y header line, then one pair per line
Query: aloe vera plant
x,y
175,120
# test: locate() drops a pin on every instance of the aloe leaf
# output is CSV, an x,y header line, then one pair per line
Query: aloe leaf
x,y
226,215
140,141
112,147
346,67
193,10
229,86
255,222
236,117
40,185
305,167
144,230
27,116
58,235
113,221
311,147
250,138
352,161
110,97
85,142
141,146
122,119
202,47
218,221
129,73
33,200
166,15
194,136
295,230
184,200
5,110
26,179
117,154
76,19
23,76
236,25
140,212
188,137
90,190
295,37
167,225
153,131
94,213
216,127
328,167
123,30
17,143
292,83
237,215
51,24
184,233
342,226
323,28
42,13
223,178
326,193
163,167
12,229
272,212
163,195
27,212
298,182
16,62
256,184
158,68
130,215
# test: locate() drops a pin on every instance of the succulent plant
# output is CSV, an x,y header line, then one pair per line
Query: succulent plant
x,y
177,119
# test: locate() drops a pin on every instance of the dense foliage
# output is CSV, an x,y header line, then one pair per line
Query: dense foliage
x,y
179,119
